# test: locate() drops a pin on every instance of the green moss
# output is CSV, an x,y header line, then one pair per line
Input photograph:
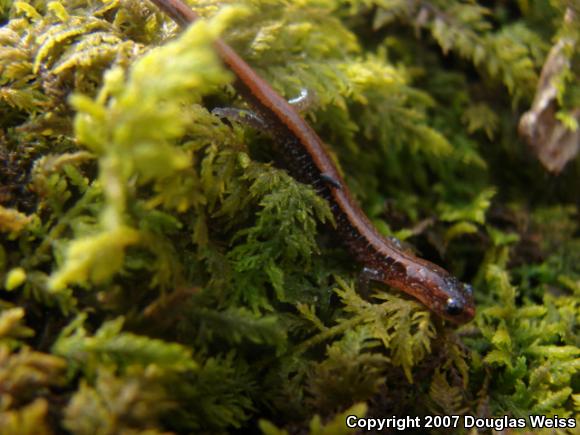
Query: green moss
x,y
160,275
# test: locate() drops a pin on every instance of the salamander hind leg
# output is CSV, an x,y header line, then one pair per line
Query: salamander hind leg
x,y
330,180
303,101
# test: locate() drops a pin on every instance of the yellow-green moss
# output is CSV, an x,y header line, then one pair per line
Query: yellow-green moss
x,y
153,258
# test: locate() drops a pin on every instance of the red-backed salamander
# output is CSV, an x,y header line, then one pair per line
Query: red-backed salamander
x,y
383,260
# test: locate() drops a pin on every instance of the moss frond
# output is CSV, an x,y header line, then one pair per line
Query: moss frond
x,y
161,272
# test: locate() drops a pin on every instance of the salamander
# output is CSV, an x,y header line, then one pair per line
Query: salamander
x,y
382,259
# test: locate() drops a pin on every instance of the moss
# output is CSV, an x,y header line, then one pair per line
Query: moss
x,y
153,258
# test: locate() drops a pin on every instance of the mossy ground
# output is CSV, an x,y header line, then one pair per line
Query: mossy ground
x,y
161,275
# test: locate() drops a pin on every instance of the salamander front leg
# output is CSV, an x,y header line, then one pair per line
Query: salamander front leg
x,y
241,116
368,274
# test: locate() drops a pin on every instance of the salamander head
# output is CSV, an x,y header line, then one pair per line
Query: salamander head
x,y
441,292
458,307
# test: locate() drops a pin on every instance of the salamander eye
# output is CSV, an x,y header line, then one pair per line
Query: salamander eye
x,y
453,307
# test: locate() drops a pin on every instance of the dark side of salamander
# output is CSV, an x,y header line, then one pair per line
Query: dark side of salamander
x,y
387,263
